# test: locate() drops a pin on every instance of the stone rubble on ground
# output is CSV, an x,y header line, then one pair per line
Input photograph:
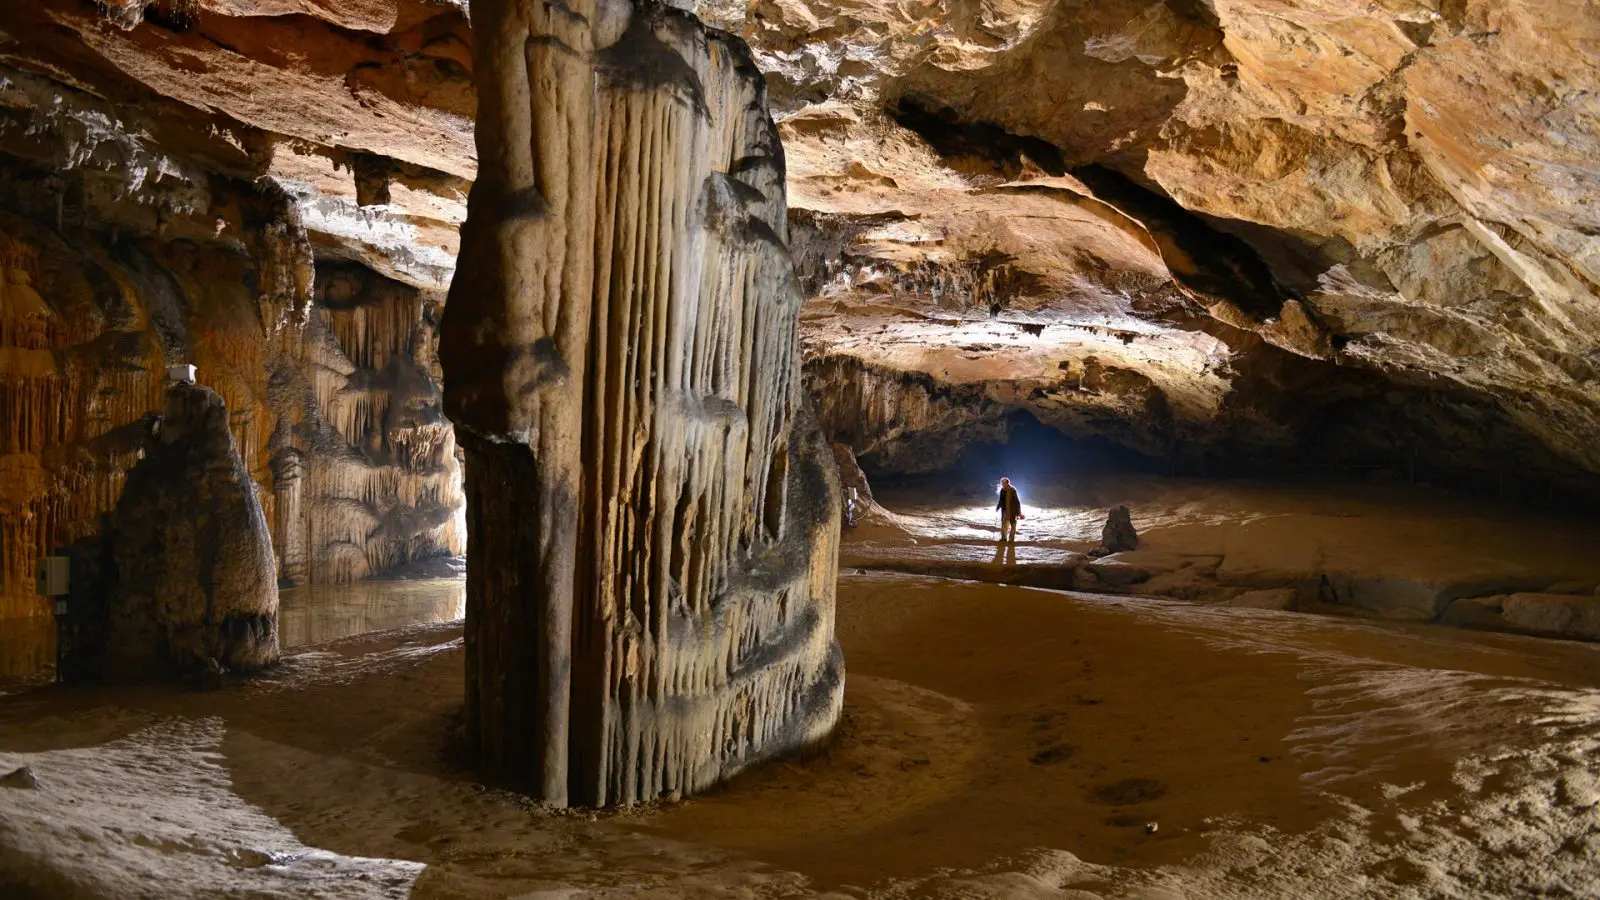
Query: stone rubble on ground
x,y
21,778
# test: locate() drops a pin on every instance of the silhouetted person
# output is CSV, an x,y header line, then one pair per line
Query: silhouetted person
x,y
1010,507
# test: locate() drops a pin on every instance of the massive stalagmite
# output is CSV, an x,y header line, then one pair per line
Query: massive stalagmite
x,y
193,578
652,509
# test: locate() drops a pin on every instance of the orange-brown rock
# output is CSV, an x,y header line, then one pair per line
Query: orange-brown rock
x,y
1396,193
235,185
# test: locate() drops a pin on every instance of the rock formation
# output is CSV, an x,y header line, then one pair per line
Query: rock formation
x,y
180,184
1332,232
653,513
1118,534
192,582
852,479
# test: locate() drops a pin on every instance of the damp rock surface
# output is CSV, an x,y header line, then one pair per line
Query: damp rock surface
x,y
193,584
1281,754
1119,535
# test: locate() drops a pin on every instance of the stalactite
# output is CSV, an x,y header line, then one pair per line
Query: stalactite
x,y
390,494
63,444
289,533
370,335
284,260
650,580
354,459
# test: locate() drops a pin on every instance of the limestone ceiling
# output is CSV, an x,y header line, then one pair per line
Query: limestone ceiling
x,y
1418,178
369,131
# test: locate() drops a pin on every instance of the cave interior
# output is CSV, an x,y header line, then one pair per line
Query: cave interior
x,y
589,482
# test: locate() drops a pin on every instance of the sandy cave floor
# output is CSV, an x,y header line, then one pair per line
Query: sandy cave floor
x,y
998,742
1348,547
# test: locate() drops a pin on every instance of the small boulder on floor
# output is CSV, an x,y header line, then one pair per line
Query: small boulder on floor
x,y
1136,567
1118,535
192,582
1398,597
20,779
1272,598
1556,615
1475,612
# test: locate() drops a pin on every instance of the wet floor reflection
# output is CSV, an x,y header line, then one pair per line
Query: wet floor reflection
x,y
306,615
324,612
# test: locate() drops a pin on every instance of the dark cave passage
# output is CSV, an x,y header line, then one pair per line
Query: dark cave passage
x,y
1030,453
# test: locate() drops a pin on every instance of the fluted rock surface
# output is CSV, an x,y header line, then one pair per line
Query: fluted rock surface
x,y
1234,230
653,512
236,185
192,577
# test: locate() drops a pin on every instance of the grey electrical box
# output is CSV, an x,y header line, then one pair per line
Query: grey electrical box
x,y
51,576
181,374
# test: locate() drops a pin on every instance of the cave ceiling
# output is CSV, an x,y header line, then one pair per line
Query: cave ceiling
x,y
1270,229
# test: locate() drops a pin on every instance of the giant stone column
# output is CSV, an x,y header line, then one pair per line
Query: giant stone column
x,y
652,510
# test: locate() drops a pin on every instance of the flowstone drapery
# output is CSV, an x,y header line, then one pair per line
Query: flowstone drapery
x,y
652,508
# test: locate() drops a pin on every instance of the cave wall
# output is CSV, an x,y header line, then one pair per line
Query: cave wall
x,y
337,420
1330,232
158,209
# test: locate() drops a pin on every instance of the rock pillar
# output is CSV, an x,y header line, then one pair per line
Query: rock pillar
x,y
288,488
652,511
192,576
